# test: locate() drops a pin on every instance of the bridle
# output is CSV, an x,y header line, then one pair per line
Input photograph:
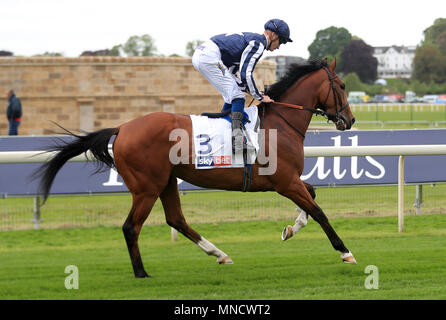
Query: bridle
x,y
318,111
337,98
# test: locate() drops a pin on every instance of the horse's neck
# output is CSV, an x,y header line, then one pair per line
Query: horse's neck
x,y
300,119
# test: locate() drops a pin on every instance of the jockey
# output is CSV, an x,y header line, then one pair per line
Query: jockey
x,y
221,57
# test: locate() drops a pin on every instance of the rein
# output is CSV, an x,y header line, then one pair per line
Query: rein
x,y
315,111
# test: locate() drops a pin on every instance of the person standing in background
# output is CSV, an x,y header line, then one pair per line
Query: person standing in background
x,y
13,112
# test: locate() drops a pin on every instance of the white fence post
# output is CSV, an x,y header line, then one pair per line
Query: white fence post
x,y
419,198
36,214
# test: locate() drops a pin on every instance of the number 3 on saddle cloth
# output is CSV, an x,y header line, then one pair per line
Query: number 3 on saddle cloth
x,y
213,141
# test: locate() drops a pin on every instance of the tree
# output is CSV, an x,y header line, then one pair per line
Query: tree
x,y
441,42
357,57
432,33
353,83
419,88
429,64
398,85
115,51
329,43
4,53
49,54
140,46
104,52
191,46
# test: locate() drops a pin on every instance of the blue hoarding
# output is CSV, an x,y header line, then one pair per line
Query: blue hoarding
x,y
374,170
77,177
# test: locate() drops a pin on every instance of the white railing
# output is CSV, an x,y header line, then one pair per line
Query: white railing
x,y
391,150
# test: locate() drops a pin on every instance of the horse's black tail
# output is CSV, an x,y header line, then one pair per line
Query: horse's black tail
x,y
95,142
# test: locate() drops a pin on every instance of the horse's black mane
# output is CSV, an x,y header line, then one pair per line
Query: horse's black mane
x,y
295,72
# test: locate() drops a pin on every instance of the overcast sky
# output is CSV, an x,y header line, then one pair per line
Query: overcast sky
x,y
71,27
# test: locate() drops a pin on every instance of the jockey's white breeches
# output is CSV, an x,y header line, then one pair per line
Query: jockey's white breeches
x,y
207,60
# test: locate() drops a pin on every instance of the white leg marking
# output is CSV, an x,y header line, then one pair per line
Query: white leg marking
x,y
212,250
301,221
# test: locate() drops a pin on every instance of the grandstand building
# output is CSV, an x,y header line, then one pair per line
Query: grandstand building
x,y
282,63
394,61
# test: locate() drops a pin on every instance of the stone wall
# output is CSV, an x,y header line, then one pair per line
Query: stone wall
x,y
90,93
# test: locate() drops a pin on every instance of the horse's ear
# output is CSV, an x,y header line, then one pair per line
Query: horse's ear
x,y
333,65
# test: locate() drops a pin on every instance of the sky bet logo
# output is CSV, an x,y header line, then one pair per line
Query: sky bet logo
x,y
205,161
214,161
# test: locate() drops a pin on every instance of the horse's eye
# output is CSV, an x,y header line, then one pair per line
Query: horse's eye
x,y
343,86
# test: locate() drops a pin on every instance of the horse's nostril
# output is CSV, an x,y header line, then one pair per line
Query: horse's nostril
x,y
353,121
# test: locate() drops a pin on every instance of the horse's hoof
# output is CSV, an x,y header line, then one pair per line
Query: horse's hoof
x,y
142,275
287,233
225,260
348,258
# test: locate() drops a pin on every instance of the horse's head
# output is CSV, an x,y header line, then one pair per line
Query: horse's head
x,y
333,100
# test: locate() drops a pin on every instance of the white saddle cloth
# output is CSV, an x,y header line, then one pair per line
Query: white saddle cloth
x,y
213,141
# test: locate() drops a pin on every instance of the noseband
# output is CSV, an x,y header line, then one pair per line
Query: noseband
x,y
319,111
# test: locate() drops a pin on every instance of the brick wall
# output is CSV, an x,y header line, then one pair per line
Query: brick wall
x,y
91,93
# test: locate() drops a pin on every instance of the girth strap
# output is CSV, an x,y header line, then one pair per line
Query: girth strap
x,y
247,169
247,177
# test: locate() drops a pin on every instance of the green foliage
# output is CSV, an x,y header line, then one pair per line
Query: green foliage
x,y
353,83
419,88
435,33
191,46
305,267
397,85
140,46
115,51
429,64
441,42
374,89
430,59
329,43
357,56
49,54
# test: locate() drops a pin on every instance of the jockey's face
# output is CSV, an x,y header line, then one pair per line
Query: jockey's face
x,y
275,42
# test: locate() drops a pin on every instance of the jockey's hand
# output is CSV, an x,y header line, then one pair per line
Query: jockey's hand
x,y
267,99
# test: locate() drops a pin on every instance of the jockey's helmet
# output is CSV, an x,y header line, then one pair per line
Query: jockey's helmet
x,y
280,28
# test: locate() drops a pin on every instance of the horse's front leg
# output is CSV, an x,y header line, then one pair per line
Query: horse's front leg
x,y
301,220
298,193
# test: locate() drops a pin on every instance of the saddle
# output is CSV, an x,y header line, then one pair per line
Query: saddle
x,y
225,115
210,155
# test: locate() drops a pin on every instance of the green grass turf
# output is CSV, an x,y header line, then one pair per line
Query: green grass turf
x,y
411,265
424,116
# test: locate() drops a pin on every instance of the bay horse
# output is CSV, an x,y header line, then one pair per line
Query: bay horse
x,y
141,156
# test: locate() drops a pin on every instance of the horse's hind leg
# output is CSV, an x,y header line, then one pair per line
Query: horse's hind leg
x,y
299,194
175,218
141,207
301,220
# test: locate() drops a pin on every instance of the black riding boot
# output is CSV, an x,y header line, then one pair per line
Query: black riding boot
x,y
237,136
